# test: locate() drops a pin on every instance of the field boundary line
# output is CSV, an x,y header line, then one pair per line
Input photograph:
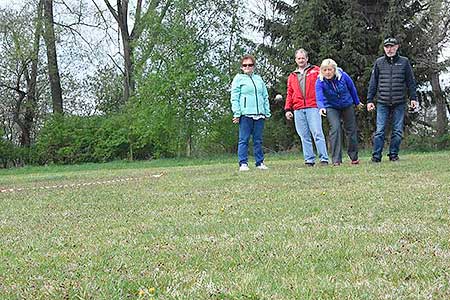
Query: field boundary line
x,y
77,185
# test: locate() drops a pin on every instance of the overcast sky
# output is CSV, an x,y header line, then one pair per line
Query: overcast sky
x,y
253,4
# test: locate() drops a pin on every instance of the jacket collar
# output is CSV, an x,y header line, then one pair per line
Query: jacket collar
x,y
392,59
309,66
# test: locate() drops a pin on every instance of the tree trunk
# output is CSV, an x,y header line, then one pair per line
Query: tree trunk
x,y
53,71
121,17
31,103
441,108
128,84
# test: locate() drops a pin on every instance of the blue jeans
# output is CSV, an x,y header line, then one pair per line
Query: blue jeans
x,y
307,122
247,127
397,113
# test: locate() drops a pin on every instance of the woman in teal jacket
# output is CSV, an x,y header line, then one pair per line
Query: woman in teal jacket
x,y
250,106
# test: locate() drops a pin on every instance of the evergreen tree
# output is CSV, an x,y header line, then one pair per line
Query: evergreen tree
x,y
352,32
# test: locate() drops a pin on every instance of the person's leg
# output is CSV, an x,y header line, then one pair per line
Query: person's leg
x,y
315,126
301,125
245,129
348,115
378,139
398,116
334,118
258,129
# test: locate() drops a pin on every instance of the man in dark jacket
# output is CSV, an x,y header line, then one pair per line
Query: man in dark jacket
x,y
392,80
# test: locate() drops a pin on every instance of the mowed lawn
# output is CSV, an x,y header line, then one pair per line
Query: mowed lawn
x,y
206,231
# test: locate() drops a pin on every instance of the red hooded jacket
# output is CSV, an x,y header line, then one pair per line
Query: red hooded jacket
x,y
294,97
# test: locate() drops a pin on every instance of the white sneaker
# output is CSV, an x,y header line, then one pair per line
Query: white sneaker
x,y
244,167
262,167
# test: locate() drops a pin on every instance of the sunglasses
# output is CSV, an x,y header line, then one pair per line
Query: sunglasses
x,y
247,65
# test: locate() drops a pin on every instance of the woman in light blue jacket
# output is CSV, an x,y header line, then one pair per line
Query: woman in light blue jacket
x,y
250,106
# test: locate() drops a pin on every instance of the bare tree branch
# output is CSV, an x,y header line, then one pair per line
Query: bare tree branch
x,y
114,62
111,9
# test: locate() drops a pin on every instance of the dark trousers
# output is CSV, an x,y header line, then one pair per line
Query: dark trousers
x,y
334,118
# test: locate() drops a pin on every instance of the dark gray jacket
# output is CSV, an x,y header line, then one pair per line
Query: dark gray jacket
x,y
393,80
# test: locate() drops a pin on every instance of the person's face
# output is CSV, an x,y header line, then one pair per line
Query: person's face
x,y
390,50
328,72
247,66
301,60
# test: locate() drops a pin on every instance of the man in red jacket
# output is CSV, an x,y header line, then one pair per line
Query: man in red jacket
x,y
301,105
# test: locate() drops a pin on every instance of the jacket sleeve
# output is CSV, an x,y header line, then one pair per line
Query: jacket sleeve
x,y
266,100
289,92
352,88
410,82
235,97
373,83
320,97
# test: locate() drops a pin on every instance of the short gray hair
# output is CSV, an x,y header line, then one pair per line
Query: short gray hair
x,y
301,50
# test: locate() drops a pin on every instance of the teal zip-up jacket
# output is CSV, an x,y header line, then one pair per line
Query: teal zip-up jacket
x,y
249,96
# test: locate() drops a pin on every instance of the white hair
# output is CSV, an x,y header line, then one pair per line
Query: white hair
x,y
329,62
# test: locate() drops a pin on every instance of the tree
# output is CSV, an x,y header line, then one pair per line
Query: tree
x,y
433,27
52,59
182,77
155,9
31,78
351,32
20,64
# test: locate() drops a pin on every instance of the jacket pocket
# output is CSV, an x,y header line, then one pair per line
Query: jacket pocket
x,y
245,102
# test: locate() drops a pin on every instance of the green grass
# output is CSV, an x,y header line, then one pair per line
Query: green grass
x,y
205,231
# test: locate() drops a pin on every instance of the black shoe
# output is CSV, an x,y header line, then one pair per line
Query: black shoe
x,y
394,158
324,163
375,160
309,164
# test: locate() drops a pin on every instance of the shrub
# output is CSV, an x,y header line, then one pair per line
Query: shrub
x,y
68,139
7,153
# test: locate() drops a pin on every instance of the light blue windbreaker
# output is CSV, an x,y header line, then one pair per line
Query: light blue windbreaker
x,y
249,96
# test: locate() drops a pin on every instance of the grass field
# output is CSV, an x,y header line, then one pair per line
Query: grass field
x,y
202,230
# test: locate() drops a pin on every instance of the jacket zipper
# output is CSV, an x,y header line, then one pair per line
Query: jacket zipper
x,y
306,86
390,86
256,94
245,102
335,88
300,88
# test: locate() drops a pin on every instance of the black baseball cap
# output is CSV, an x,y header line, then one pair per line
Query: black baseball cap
x,y
390,42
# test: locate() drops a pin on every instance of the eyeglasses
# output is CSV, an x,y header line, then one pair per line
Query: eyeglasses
x,y
247,65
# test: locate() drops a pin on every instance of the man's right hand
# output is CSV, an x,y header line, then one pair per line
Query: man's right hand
x,y
235,120
370,106
289,115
